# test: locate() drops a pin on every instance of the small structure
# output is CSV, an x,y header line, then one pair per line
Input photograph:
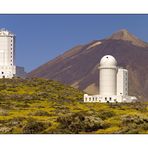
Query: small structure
x,y
113,83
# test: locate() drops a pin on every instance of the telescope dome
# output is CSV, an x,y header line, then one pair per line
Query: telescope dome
x,y
108,61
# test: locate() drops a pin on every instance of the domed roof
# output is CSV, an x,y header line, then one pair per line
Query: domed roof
x,y
108,61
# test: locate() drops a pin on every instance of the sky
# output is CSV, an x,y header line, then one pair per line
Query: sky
x,y
40,38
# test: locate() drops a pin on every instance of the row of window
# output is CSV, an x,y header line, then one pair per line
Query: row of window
x,y
6,72
96,99
92,99
5,67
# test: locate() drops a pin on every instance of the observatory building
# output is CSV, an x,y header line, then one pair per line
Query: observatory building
x,y
113,83
8,69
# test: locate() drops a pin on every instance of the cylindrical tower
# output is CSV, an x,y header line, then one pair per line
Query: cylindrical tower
x,y
108,76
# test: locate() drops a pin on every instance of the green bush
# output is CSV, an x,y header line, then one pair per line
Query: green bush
x,y
34,127
106,114
134,124
80,122
40,113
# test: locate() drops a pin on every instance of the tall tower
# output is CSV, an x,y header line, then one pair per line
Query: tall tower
x,y
7,54
108,76
122,82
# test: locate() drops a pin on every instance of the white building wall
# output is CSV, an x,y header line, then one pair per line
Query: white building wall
x,y
108,81
7,54
102,99
122,82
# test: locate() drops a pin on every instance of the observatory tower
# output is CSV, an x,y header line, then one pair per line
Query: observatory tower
x,y
113,83
8,69
7,54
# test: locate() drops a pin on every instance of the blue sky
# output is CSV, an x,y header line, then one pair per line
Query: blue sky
x,y
40,38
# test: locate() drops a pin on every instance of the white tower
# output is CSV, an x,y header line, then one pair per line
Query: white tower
x,y
122,82
7,54
108,76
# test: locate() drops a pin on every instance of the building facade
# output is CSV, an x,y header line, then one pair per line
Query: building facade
x,y
7,54
113,83
8,69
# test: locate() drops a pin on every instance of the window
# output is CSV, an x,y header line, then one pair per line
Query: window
x,y
90,99
105,98
110,98
2,72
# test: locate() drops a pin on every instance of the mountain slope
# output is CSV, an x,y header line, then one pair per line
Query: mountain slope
x,y
79,66
126,36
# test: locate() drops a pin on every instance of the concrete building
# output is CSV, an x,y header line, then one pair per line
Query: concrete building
x,y
7,54
113,83
20,72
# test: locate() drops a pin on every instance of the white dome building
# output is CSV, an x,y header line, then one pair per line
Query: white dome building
x,y
113,83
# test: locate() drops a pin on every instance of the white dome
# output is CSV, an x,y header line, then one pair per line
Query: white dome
x,y
108,60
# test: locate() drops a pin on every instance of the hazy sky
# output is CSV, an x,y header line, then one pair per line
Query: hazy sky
x,y
40,38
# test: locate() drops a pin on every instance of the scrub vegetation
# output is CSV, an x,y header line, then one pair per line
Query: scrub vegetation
x,y
39,106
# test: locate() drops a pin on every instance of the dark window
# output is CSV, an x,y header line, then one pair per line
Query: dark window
x,y
105,98
110,98
2,72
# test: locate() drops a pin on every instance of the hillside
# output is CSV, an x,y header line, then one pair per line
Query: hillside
x,y
78,66
46,106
